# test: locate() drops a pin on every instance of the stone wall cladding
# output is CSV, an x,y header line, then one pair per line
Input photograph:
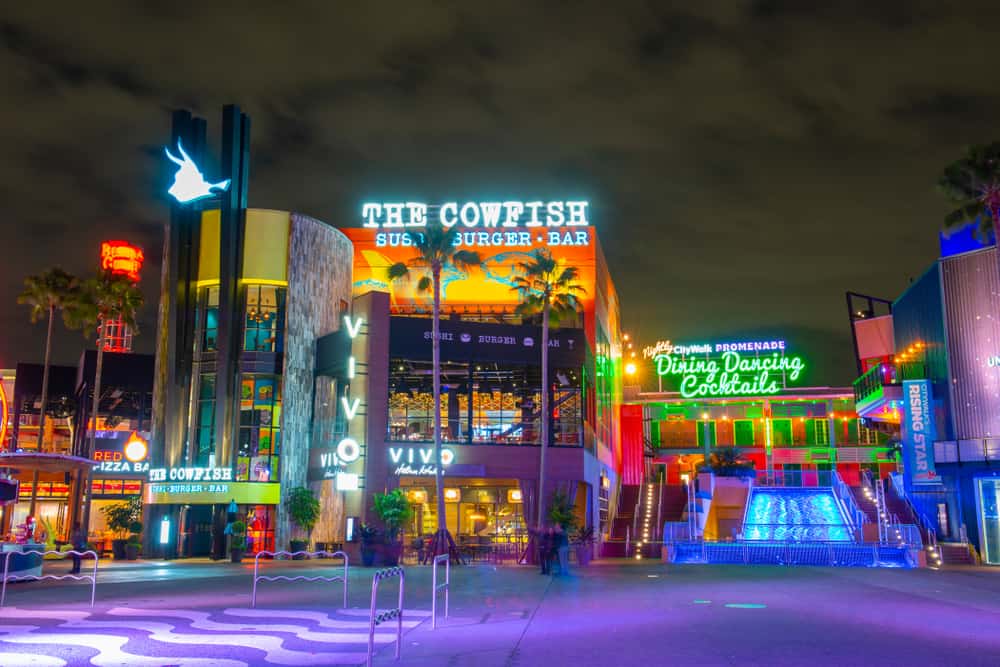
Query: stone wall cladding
x,y
320,260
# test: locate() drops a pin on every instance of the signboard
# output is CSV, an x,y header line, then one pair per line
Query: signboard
x,y
501,249
919,430
122,259
476,215
418,460
191,474
475,341
715,370
121,456
212,493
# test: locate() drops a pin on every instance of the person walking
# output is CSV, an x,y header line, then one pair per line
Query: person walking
x,y
78,542
544,549
560,546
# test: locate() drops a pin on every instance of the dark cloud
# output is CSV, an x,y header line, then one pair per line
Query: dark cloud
x,y
747,161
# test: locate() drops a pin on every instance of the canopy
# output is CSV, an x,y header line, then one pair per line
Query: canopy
x,y
44,462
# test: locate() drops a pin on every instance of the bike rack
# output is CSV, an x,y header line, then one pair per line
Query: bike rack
x,y
377,618
280,577
52,577
435,587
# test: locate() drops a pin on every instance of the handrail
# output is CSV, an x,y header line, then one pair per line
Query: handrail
x,y
692,512
435,587
376,617
659,507
280,577
51,577
626,541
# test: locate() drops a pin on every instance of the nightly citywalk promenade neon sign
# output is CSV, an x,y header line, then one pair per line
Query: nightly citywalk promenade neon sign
x,y
755,368
496,223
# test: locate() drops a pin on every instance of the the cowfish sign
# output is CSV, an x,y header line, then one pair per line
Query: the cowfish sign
x,y
730,374
476,214
189,183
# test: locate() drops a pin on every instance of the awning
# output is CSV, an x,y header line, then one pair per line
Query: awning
x,y
44,462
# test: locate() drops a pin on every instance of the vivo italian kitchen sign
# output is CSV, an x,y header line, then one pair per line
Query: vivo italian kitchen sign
x,y
418,460
751,368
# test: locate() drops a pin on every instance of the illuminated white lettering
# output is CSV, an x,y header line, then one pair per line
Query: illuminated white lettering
x,y
514,209
418,214
577,213
491,213
533,207
371,213
469,214
449,214
393,215
555,211
350,409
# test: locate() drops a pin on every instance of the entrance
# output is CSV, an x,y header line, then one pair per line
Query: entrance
x,y
988,491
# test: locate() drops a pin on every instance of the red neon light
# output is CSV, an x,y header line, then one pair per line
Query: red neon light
x,y
122,258
3,416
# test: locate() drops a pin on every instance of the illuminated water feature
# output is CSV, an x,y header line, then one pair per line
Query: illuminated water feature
x,y
795,515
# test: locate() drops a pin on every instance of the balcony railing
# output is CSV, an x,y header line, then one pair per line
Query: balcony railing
x,y
886,375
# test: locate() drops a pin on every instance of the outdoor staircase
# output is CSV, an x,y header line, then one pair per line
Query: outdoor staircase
x,y
899,507
956,553
647,545
621,525
673,503
866,503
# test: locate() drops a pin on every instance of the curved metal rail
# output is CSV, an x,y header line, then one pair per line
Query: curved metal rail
x,y
257,576
378,617
92,577
435,587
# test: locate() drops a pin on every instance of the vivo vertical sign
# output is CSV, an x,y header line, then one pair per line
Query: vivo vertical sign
x,y
920,430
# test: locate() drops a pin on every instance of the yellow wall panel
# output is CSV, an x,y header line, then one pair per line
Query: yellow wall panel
x,y
265,250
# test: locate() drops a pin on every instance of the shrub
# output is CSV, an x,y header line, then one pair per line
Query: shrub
x,y
394,510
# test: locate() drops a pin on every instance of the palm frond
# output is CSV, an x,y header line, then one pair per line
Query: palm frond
x,y
398,271
425,284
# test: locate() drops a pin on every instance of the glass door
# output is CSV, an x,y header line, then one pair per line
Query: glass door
x,y
989,519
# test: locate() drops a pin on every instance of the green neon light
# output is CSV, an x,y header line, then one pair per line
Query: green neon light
x,y
731,374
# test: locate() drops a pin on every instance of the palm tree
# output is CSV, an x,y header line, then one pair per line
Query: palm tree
x,y
46,293
551,290
108,297
973,183
436,250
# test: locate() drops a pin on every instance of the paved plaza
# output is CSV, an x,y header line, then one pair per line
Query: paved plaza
x,y
198,614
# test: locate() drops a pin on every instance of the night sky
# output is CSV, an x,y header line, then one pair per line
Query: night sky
x,y
746,163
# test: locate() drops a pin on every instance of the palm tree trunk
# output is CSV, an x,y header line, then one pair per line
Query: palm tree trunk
x,y
441,545
42,408
92,435
45,381
545,410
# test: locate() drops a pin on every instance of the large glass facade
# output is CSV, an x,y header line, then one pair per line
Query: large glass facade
x,y
259,431
488,403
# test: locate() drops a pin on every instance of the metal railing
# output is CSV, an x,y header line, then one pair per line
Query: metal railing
x,y
40,555
678,531
843,493
281,577
435,587
377,617
929,528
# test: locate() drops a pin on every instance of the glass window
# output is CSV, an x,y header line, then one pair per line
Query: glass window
x,y
259,430
265,318
205,419
210,326
743,432
706,429
781,432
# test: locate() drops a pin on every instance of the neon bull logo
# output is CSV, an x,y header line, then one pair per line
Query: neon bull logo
x,y
189,184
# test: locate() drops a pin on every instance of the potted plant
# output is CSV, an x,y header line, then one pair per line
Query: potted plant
x,y
238,543
369,536
120,517
583,542
134,543
395,511
303,508
728,462
561,511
